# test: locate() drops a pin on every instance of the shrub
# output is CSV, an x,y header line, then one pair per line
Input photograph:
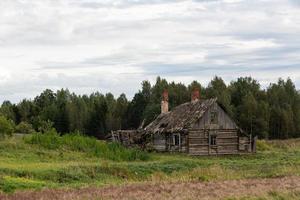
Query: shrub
x,y
45,126
92,146
262,145
24,127
49,140
6,127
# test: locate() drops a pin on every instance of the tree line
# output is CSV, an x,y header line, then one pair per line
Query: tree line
x,y
271,113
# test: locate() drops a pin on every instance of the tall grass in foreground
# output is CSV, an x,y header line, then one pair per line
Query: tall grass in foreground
x,y
54,161
92,146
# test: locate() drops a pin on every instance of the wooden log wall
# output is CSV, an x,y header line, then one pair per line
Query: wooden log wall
x,y
159,142
165,142
244,144
198,142
227,142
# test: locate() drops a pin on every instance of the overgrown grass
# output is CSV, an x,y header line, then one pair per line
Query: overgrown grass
x,y
9,184
74,161
77,142
263,145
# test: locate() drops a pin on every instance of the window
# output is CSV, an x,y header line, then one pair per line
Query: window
x,y
176,139
163,125
213,140
213,117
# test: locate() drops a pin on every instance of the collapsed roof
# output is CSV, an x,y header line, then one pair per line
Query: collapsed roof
x,y
181,117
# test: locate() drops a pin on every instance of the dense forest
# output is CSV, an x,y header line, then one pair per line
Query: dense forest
x,y
271,113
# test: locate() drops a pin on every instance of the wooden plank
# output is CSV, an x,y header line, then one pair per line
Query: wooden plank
x,y
227,144
196,145
198,142
187,144
198,137
227,137
209,149
200,148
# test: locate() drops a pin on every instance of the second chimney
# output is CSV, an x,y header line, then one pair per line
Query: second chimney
x,y
165,102
195,95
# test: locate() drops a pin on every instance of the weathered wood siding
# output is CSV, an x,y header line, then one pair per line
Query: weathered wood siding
x,y
244,144
159,142
165,142
227,142
224,121
198,142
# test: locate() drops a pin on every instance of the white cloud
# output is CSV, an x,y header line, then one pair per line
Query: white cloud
x,y
104,45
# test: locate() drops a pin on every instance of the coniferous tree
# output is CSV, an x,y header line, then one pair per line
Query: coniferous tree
x,y
273,113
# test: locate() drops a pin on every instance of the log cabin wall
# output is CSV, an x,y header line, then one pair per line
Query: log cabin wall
x,y
216,134
172,142
198,142
213,141
180,145
159,142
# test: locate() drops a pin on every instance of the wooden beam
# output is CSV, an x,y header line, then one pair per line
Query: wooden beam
x,y
209,142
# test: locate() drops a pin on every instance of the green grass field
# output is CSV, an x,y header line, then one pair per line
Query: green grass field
x,y
28,164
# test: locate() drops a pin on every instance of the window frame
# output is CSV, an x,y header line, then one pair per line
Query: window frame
x,y
176,142
213,140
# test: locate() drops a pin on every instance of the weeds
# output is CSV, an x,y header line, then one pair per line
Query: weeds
x,y
76,142
10,184
50,160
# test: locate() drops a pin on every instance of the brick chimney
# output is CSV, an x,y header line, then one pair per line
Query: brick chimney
x,y
195,95
165,102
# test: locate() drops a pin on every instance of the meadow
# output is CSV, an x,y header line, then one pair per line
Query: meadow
x,y
50,161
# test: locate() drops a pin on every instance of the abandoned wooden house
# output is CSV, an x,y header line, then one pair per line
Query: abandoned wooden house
x,y
199,127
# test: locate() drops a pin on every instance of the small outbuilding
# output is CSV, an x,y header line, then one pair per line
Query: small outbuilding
x,y
198,127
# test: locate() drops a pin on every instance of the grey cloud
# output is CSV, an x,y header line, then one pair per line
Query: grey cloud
x,y
200,69
295,2
181,40
84,84
121,3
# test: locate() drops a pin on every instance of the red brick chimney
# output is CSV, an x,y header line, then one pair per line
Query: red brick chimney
x,y
195,95
165,102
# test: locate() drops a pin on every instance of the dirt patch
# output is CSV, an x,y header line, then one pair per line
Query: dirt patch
x,y
179,190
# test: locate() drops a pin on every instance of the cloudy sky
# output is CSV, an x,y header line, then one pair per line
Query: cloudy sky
x,y
106,45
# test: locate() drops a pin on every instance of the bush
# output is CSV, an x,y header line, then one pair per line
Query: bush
x,y
45,126
24,127
6,127
92,146
262,145
49,140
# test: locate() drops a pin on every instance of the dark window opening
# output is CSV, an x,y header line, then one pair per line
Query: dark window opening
x,y
213,140
163,125
176,139
213,117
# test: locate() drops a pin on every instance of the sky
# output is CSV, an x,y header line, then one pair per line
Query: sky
x,y
111,46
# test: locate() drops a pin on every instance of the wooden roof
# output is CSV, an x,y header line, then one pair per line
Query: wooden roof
x,y
181,117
